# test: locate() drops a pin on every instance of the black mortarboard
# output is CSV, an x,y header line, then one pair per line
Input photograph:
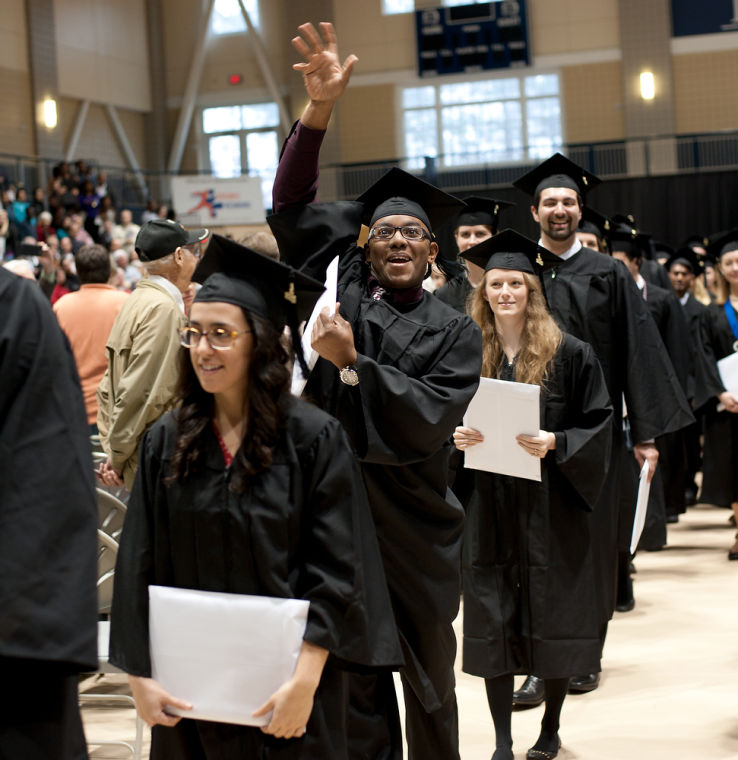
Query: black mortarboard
x,y
699,240
628,240
662,250
399,192
686,257
595,223
627,219
478,210
510,250
723,242
234,274
557,171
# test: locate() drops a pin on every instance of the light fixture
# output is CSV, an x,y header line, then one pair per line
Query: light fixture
x,y
50,118
648,85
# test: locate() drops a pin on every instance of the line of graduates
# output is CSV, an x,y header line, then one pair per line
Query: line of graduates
x,y
243,488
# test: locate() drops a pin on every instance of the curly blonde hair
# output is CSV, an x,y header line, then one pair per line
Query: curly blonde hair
x,y
541,335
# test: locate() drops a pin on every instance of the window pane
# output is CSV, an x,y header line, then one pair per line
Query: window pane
x,y
415,97
487,132
262,149
420,136
260,115
397,6
475,92
542,84
225,156
227,17
221,119
543,126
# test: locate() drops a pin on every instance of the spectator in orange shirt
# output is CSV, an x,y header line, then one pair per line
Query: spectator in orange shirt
x,y
87,317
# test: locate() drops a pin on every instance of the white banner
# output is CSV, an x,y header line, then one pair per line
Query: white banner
x,y
202,201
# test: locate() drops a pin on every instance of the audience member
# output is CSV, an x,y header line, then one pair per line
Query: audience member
x,y
87,317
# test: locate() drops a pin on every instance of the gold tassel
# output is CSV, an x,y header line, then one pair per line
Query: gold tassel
x,y
290,294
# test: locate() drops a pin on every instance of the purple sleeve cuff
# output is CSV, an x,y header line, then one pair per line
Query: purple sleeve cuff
x,y
296,183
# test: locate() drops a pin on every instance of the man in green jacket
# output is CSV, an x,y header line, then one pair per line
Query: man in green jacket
x,y
139,384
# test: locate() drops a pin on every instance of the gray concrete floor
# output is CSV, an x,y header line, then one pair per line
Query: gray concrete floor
x,y
670,673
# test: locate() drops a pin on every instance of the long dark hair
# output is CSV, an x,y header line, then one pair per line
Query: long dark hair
x,y
265,408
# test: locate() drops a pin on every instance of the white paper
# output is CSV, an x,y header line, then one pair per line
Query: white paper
x,y
226,654
502,410
728,369
644,488
328,298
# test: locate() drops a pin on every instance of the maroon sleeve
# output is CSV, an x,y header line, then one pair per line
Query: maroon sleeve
x,y
296,183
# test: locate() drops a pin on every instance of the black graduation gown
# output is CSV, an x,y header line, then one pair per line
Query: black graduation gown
x,y
667,490
594,297
301,530
693,312
655,274
530,595
456,292
48,564
418,369
48,517
720,465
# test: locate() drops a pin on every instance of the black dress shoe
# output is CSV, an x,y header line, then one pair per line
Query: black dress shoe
x,y
672,519
583,684
530,694
626,605
732,555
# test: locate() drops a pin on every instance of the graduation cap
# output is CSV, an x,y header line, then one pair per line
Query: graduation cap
x,y
627,219
696,240
479,210
626,239
722,242
662,250
557,171
510,250
231,273
595,223
399,192
686,257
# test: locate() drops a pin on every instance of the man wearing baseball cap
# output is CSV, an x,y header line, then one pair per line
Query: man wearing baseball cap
x,y
138,386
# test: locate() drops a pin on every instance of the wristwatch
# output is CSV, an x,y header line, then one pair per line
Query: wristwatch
x,y
349,375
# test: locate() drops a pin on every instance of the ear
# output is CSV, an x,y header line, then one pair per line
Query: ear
x,y
432,253
534,211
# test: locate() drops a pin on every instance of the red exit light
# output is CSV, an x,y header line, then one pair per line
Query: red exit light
x,y
235,79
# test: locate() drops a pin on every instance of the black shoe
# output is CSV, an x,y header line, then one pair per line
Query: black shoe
x,y
530,694
690,497
542,754
624,601
672,519
731,555
583,684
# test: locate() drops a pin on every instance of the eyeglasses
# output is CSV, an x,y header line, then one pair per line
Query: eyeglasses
x,y
387,232
219,338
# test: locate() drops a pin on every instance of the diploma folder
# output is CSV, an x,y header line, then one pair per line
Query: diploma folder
x,y
225,654
502,410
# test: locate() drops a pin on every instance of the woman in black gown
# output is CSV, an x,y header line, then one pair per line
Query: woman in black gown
x,y
720,339
245,489
529,586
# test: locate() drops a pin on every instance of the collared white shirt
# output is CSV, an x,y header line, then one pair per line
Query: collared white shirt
x,y
640,282
683,300
568,253
170,287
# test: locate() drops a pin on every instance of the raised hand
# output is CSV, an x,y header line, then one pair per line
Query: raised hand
x,y
324,76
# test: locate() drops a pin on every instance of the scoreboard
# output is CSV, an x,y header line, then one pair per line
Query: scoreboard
x,y
466,38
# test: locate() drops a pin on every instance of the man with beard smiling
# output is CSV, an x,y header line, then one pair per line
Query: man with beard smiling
x,y
595,299
398,368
